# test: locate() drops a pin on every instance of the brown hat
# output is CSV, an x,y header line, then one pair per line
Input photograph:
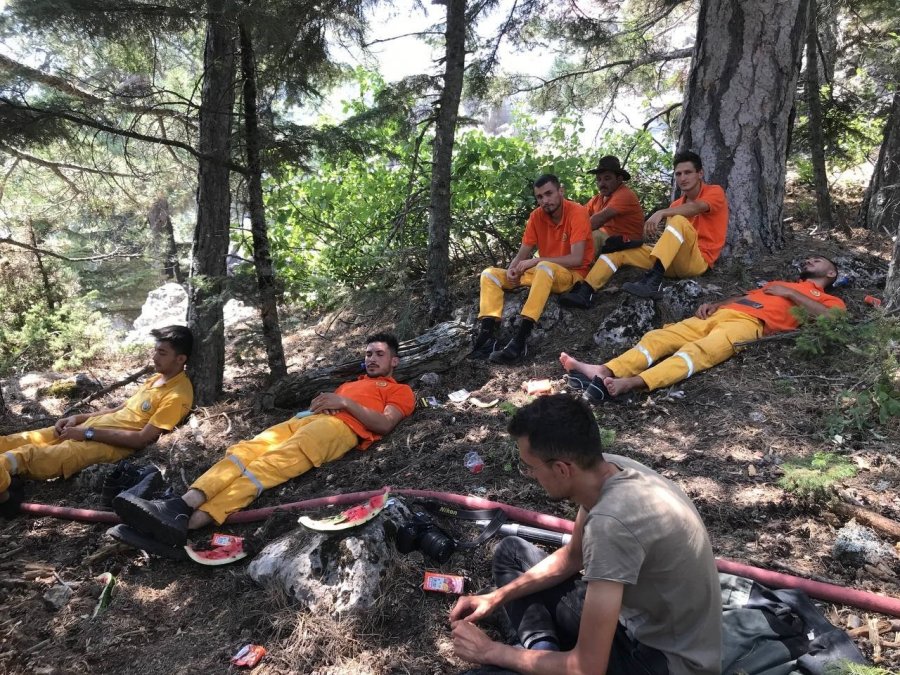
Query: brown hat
x,y
611,163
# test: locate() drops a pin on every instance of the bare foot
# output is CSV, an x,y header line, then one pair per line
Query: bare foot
x,y
199,519
587,369
616,386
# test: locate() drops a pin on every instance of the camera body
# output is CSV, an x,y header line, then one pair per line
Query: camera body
x,y
421,534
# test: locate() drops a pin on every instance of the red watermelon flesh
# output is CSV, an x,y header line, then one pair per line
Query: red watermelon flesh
x,y
224,549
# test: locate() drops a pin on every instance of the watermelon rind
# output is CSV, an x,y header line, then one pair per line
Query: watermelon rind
x,y
202,557
348,518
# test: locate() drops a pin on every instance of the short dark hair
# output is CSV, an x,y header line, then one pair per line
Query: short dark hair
x,y
688,156
387,338
559,427
180,337
837,273
545,178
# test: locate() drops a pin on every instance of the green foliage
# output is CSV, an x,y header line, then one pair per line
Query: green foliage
x,y
813,477
848,668
828,333
508,408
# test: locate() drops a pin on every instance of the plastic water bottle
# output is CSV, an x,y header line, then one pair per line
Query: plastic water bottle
x,y
473,462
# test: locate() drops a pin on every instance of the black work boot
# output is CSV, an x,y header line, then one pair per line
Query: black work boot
x,y
166,520
139,481
485,342
16,492
131,537
517,348
580,296
650,286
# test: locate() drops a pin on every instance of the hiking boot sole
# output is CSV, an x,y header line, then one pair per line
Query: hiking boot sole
x,y
134,514
131,537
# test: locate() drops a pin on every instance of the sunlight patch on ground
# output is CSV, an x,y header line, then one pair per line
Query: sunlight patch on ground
x,y
755,495
703,486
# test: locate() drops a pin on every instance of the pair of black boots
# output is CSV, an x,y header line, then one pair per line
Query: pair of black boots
x,y
485,346
158,526
649,287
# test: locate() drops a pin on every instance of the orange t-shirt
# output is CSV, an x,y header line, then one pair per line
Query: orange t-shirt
x,y
711,226
629,219
775,311
374,393
554,240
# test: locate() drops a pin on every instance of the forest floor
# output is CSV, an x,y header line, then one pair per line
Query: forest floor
x,y
723,441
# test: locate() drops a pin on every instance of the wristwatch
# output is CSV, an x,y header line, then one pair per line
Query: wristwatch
x,y
88,434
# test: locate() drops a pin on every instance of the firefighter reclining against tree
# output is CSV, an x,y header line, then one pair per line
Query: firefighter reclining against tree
x,y
356,414
107,436
708,338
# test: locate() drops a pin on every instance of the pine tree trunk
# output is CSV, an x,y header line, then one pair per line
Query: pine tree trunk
x,y
262,259
207,279
162,246
816,135
737,104
880,209
442,159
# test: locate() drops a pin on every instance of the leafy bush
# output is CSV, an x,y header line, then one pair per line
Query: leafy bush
x,y
813,477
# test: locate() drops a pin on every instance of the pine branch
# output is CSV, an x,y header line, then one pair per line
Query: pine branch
x,y
59,256
58,165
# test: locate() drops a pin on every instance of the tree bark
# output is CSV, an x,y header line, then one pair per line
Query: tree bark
x,y
162,244
737,103
880,209
262,259
815,126
441,163
207,279
49,295
441,348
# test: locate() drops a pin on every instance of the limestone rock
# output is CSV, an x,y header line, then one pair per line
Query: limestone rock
x,y
57,597
165,306
856,545
626,324
430,380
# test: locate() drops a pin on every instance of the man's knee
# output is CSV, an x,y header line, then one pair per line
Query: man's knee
x,y
513,554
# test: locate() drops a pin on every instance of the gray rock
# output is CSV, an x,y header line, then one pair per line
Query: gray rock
x,y
680,299
430,380
626,324
856,546
57,597
165,306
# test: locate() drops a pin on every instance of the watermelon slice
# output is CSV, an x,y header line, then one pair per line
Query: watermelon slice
x,y
223,549
355,515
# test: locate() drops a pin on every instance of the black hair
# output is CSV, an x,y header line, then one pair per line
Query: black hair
x,y
180,337
387,338
688,156
837,273
559,427
545,178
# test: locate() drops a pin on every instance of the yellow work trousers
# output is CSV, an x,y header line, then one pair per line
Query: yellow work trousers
x,y
544,278
694,345
276,455
676,249
41,455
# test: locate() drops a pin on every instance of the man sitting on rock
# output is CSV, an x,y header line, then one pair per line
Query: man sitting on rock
x,y
635,590
692,237
708,338
107,436
356,414
617,218
561,232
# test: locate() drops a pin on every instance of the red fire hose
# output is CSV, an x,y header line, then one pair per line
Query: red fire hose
x,y
816,589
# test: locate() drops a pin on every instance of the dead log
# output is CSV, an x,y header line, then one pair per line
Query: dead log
x,y
882,525
439,349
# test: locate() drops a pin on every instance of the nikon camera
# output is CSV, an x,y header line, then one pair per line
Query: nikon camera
x,y
421,534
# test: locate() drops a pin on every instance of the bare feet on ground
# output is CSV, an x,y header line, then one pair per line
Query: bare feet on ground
x,y
616,386
587,369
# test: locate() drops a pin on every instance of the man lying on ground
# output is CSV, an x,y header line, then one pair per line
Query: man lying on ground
x,y
692,237
635,590
708,338
561,232
107,436
356,414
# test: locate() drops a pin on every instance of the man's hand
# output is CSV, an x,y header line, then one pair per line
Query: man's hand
x,y
64,423
472,608
72,433
780,291
517,269
470,643
328,403
651,227
706,310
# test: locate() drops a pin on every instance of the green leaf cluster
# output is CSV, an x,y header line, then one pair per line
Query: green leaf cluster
x,y
813,477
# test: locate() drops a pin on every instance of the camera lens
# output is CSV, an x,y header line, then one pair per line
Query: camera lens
x,y
437,545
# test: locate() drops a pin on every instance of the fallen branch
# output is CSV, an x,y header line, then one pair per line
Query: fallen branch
x,y
885,526
115,385
59,256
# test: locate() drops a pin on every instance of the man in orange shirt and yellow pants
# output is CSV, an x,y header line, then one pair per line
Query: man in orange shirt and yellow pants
x,y
356,414
708,338
561,232
107,436
692,237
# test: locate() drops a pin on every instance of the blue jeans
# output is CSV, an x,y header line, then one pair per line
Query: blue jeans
x,y
555,613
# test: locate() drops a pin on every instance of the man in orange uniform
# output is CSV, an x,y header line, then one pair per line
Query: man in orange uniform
x,y
356,414
561,232
107,436
617,220
708,338
691,240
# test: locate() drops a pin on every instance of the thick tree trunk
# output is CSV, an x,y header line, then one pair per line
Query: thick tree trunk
x,y
736,106
162,244
442,158
816,135
441,348
262,260
880,209
892,287
207,280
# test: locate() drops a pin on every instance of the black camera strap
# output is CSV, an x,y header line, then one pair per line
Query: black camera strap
x,y
497,518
